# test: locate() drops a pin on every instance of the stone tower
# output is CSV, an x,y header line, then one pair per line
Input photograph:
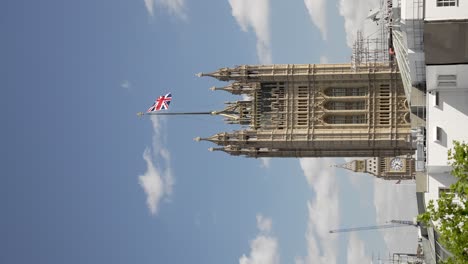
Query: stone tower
x,y
314,110
395,168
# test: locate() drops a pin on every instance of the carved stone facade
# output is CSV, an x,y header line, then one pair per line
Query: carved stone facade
x,y
394,168
314,110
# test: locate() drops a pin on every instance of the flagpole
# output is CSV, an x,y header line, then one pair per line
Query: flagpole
x,y
181,113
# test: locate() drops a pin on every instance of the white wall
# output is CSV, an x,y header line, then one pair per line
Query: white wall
x,y
460,70
435,13
411,9
417,66
437,181
452,117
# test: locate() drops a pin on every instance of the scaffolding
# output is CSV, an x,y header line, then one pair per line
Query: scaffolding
x,y
367,52
377,47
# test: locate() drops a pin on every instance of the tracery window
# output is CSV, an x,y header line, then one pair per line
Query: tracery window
x,y
346,119
339,105
339,91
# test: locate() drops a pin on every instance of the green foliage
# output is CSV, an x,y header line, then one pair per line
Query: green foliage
x,y
459,161
451,211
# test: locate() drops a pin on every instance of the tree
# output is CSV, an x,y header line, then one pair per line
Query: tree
x,y
450,216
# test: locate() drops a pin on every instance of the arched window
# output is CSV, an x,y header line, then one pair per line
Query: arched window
x,y
345,91
339,105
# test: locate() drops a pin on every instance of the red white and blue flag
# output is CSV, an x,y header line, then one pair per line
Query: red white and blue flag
x,y
162,103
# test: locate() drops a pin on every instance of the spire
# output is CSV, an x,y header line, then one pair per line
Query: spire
x,y
240,138
238,88
227,74
350,165
236,150
215,149
238,112
222,74
219,138
369,165
230,149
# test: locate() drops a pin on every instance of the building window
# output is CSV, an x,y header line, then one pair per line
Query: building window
x,y
346,119
338,91
447,80
436,98
447,3
444,190
339,105
438,134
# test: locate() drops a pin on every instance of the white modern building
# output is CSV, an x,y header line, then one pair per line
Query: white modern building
x,y
445,10
446,57
430,38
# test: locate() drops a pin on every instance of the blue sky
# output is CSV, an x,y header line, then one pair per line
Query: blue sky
x,y
85,181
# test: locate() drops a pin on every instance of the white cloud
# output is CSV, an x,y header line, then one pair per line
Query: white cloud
x,y
157,182
391,201
265,162
161,152
263,251
354,13
264,248
356,252
264,224
126,85
323,59
396,202
174,7
318,14
356,178
152,183
323,211
255,15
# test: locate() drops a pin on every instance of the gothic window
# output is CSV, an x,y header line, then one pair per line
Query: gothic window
x,y
301,105
384,118
346,119
302,91
269,85
301,119
384,90
338,105
278,92
339,91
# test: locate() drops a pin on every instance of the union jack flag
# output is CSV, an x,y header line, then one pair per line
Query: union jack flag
x,y
162,103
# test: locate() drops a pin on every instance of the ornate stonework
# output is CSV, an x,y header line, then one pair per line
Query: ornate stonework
x,y
315,110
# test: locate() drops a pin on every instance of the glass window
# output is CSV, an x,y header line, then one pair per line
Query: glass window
x,y
337,105
444,190
438,134
447,3
346,119
338,91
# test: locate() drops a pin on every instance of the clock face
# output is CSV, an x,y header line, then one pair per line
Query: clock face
x,y
396,164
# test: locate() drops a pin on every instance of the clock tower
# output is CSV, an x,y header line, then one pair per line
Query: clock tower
x,y
388,168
